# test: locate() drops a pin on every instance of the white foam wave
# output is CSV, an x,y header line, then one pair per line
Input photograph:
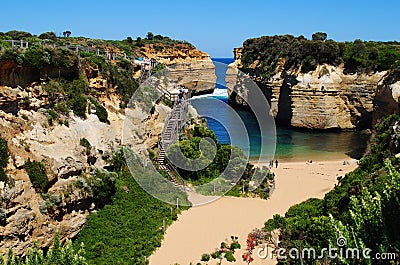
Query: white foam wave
x,y
217,93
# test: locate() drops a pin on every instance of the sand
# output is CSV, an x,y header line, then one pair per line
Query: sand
x,y
201,229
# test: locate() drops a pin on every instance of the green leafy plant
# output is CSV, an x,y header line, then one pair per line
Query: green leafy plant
x,y
56,255
3,153
101,111
131,224
85,143
37,174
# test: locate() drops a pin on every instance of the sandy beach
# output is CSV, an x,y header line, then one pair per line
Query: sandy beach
x,y
201,229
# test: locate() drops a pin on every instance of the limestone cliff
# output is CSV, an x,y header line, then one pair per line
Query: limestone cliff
x,y
324,98
186,64
26,123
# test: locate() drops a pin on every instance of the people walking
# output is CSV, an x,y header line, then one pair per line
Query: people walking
x,y
180,96
276,163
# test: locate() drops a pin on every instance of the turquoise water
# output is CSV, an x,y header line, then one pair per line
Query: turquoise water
x,y
291,144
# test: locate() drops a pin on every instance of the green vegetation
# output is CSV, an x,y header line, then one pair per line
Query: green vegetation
x,y
158,68
205,257
357,56
3,153
120,75
364,207
225,251
101,111
64,95
38,56
129,228
37,174
229,163
3,159
56,255
102,186
85,143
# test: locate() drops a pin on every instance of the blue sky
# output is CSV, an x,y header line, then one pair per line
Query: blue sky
x,y
214,26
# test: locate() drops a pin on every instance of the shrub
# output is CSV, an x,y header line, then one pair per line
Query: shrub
x,y
37,174
23,116
229,257
57,254
78,104
102,186
101,111
18,35
3,153
85,143
52,115
216,254
3,217
205,257
158,67
3,176
48,36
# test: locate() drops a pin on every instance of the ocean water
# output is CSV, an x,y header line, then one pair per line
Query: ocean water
x,y
289,144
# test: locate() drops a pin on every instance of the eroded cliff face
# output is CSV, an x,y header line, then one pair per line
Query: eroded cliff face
x,y
28,215
12,74
325,98
187,66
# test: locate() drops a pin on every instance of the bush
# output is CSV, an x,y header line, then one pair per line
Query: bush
x,y
229,257
102,185
205,257
57,254
3,153
85,143
52,115
48,36
18,35
3,176
37,174
78,104
216,254
101,111
358,56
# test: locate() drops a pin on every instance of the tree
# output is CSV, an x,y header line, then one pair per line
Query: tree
x,y
139,42
66,33
48,36
37,174
358,48
129,40
150,35
18,35
319,36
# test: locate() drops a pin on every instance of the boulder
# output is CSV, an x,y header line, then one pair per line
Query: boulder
x,y
70,167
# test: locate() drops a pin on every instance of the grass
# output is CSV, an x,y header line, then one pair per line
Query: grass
x,y
129,228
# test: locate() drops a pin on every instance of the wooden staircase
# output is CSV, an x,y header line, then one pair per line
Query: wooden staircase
x,y
173,126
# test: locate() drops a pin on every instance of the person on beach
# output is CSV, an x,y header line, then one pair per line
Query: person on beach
x,y
276,163
271,163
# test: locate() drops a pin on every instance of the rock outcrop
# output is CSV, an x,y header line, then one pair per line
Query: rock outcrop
x,y
325,98
27,214
187,66
12,74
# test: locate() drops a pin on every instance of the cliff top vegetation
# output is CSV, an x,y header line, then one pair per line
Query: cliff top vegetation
x,y
357,56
